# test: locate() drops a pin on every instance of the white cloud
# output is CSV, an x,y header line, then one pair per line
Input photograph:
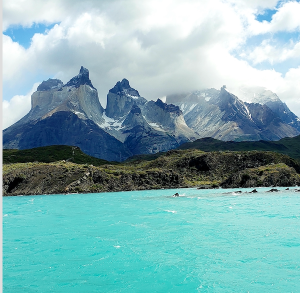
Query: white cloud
x,y
274,53
289,90
14,60
16,108
286,18
161,47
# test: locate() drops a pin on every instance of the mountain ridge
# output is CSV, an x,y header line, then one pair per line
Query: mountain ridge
x,y
71,113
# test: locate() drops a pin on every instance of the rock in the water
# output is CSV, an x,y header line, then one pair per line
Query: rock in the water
x,y
253,191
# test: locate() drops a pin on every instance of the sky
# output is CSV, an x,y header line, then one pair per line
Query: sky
x,y
161,47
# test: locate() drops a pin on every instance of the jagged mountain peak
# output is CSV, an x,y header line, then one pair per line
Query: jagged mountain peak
x,y
121,98
50,84
81,79
125,83
84,71
263,96
257,94
123,88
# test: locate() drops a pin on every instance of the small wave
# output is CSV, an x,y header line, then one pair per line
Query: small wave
x,y
117,246
173,212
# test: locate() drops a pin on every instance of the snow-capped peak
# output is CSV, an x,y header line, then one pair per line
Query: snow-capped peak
x,y
256,94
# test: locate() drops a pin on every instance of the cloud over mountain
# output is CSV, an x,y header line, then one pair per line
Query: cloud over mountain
x,y
162,47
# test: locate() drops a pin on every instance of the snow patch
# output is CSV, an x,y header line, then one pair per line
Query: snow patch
x,y
154,124
207,99
192,107
110,123
248,113
133,97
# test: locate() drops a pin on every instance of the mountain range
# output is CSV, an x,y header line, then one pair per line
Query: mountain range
x,y
71,114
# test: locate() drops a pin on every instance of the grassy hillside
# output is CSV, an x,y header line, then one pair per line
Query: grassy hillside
x,y
287,146
50,154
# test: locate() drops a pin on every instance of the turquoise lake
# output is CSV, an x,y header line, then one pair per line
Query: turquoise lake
x,y
148,241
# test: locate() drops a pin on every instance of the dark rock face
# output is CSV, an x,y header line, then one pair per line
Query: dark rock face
x,y
50,84
66,128
80,79
168,107
284,113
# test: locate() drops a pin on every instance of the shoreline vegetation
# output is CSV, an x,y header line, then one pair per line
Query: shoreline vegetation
x,y
79,173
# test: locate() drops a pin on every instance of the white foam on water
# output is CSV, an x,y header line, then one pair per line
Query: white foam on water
x,y
236,193
117,246
169,211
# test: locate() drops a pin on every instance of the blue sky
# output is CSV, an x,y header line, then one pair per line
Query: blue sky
x,y
266,15
23,35
161,47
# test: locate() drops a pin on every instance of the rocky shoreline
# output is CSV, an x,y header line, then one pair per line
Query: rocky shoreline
x,y
176,169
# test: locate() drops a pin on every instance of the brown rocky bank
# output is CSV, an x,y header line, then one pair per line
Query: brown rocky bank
x,y
177,168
